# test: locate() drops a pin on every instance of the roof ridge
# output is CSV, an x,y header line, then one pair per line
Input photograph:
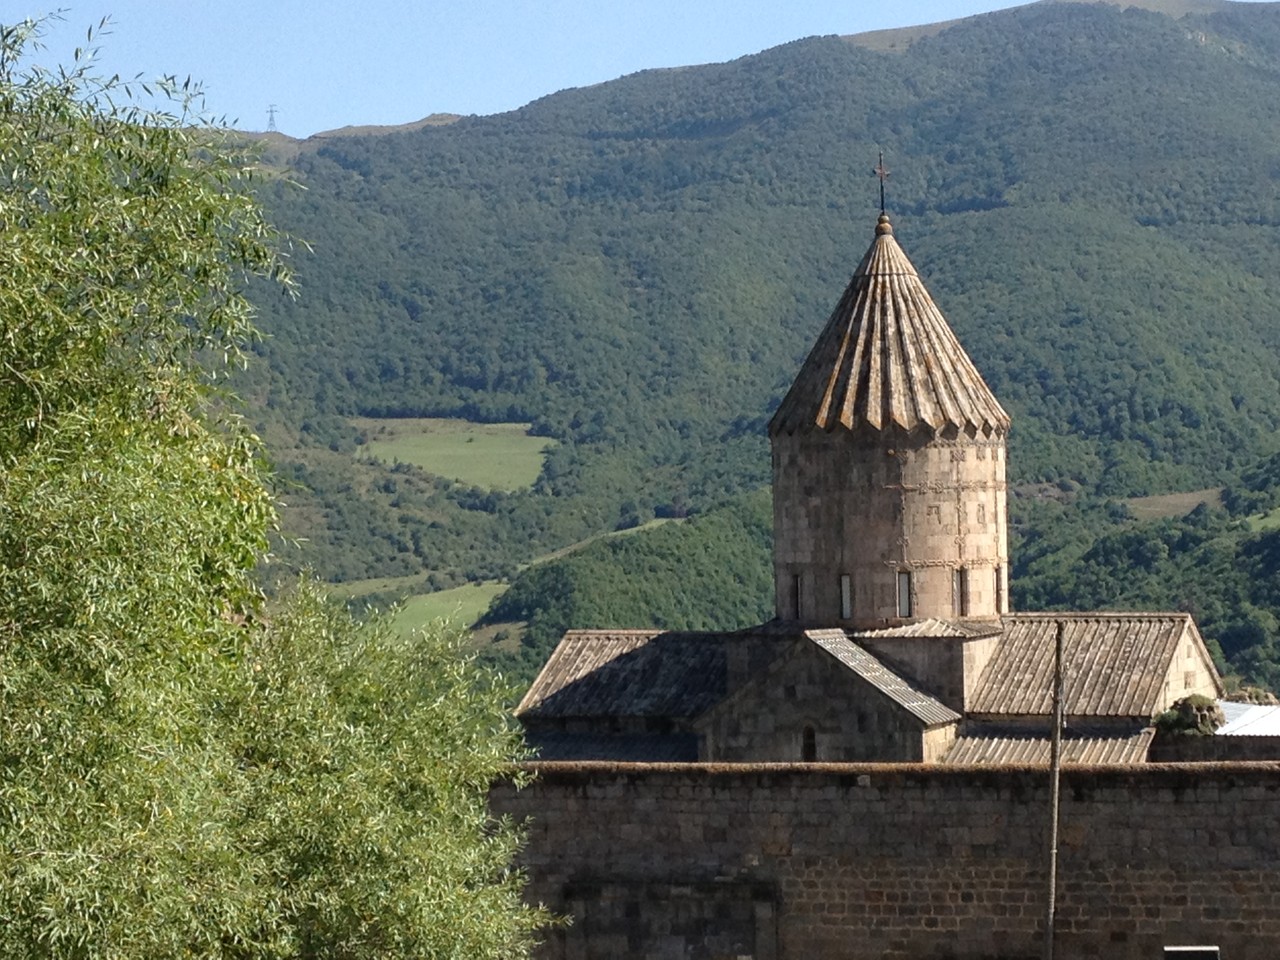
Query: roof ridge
x,y
961,628
1098,614
924,706
610,631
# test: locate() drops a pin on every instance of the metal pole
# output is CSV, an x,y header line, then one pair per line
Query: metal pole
x,y
1055,772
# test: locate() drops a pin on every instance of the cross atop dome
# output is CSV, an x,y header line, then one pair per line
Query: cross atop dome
x,y
882,174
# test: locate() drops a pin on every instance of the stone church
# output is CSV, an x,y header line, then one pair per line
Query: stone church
x,y
893,639
865,776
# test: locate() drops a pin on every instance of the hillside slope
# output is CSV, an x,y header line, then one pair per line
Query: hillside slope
x,y
1092,194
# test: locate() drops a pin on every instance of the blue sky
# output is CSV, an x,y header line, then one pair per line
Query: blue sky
x,y
325,66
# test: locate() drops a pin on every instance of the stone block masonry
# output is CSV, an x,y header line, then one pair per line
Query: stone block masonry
x,y
819,861
870,509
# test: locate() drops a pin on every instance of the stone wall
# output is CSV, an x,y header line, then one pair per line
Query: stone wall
x,y
871,507
900,861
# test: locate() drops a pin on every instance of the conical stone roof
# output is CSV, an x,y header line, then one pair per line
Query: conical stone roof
x,y
888,359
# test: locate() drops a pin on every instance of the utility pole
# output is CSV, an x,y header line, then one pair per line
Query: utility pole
x,y
1055,775
271,118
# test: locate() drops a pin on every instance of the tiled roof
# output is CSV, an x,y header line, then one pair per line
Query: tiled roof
x,y
1078,746
1114,664
934,627
924,707
888,358
632,673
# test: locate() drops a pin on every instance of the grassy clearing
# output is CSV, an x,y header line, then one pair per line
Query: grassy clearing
x,y
1265,522
1173,504
496,456
461,605
502,636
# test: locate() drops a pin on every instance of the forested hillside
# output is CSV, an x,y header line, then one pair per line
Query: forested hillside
x,y
712,573
636,268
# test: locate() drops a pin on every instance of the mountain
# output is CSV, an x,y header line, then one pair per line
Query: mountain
x,y
1092,194
897,39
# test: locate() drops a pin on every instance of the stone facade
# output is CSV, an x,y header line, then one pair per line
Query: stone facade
x,y
953,665
874,529
807,708
818,862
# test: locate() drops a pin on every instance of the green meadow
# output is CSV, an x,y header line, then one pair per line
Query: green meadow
x,y
461,606
1173,504
350,589
1265,522
496,456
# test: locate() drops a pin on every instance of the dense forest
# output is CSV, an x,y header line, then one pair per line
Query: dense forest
x,y
636,268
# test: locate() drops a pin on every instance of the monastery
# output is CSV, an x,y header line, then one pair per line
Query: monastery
x,y
893,639
865,775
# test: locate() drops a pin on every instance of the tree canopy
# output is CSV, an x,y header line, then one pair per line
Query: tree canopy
x,y
186,770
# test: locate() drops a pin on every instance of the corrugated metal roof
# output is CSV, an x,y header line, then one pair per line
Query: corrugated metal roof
x,y
1114,664
926,708
1232,710
888,358
1000,748
1249,720
632,673
934,627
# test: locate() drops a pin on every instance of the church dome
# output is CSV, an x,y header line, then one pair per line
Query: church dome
x,y
887,358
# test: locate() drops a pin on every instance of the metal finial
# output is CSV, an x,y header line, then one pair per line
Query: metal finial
x,y
882,174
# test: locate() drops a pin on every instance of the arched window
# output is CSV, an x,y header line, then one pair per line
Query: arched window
x,y
809,745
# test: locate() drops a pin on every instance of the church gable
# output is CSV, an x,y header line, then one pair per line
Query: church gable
x,y
631,695
1191,670
826,699
1115,665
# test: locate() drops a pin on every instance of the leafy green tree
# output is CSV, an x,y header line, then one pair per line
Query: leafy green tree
x,y
368,756
182,771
